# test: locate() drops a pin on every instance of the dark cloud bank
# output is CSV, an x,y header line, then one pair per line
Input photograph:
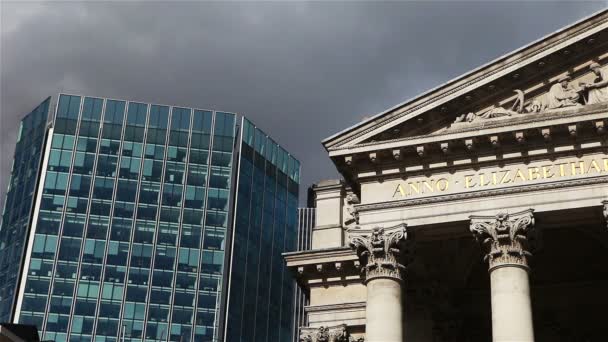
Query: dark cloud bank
x,y
300,71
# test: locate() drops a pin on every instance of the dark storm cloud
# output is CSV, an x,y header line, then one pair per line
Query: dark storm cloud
x,y
300,71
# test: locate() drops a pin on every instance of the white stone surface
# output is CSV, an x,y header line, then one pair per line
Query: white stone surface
x,y
383,314
511,306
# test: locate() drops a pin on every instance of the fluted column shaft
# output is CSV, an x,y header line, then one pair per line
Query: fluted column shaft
x,y
381,252
506,241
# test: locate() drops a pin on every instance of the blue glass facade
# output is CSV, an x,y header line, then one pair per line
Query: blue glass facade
x,y
19,201
129,239
261,298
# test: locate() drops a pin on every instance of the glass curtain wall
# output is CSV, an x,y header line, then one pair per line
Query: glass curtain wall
x,y
261,297
130,238
20,196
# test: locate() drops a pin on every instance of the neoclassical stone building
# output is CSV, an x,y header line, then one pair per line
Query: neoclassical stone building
x,y
475,211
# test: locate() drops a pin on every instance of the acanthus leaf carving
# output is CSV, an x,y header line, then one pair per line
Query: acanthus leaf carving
x,y
382,252
506,239
338,333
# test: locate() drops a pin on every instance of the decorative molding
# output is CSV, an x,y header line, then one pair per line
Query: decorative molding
x,y
506,239
605,203
338,333
382,251
488,124
327,226
319,256
397,154
476,76
481,194
335,307
600,127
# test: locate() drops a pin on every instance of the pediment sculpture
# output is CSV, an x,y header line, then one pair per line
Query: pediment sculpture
x,y
562,95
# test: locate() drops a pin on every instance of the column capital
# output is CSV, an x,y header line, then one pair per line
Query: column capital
x,y
605,203
382,251
506,239
337,333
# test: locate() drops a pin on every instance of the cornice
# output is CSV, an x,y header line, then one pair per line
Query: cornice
x,y
319,256
482,128
327,226
481,194
514,156
536,49
334,307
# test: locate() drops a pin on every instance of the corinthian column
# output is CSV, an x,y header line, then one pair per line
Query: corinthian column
x,y
381,252
506,241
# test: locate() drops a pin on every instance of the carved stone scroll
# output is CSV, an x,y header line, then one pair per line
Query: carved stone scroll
x,y
382,251
506,239
338,333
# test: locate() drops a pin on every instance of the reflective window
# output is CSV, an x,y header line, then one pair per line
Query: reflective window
x,y
131,235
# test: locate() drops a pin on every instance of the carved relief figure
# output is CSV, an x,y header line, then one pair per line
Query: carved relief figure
x,y
535,106
337,333
305,338
323,335
342,335
351,200
516,108
562,94
598,90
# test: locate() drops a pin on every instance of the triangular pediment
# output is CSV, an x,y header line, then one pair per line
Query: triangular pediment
x,y
512,89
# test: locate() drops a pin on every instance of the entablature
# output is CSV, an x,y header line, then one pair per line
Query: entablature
x,y
556,134
597,115
325,265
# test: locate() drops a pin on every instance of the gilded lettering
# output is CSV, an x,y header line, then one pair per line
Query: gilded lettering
x,y
399,190
595,166
414,187
581,166
519,174
562,170
533,173
547,172
468,182
505,178
442,184
494,178
428,186
482,180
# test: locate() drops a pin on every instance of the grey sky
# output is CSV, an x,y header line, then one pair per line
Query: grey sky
x,y
300,71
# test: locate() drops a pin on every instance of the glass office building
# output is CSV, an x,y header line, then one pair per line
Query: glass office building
x,y
262,297
118,223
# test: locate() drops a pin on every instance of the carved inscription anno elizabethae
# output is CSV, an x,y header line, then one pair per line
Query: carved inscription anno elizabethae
x,y
515,175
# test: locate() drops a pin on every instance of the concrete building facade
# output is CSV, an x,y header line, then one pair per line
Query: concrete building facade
x,y
476,211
